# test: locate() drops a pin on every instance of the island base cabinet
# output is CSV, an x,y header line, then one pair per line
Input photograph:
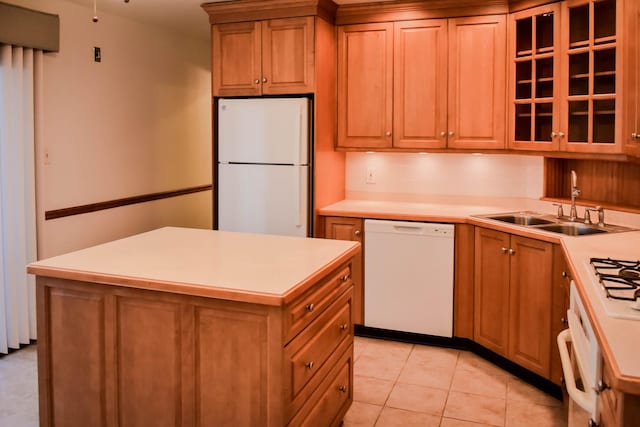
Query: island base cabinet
x,y
112,355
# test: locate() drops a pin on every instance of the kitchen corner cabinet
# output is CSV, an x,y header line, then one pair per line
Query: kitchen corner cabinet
x,y
342,228
512,298
617,409
393,79
573,76
267,57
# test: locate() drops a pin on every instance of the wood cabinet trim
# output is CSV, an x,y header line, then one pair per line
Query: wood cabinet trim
x,y
256,10
360,13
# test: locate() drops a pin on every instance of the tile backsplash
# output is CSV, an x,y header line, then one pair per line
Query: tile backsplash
x,y
445,174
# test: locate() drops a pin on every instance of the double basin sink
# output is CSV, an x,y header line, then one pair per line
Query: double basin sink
x,y
555,225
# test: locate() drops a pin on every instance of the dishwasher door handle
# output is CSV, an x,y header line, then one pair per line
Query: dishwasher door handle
x,y
408,228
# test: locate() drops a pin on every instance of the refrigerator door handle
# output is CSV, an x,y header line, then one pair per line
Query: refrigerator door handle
x,y
300,208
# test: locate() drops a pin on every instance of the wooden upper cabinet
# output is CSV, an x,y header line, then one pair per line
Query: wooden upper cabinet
x,y
365,85
534,83
632,82
420,84
263,57
288,55
237,59
477,82
425,84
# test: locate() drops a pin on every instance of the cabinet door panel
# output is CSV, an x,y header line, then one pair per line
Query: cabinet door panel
x,y
288,55
365,85
351,229
477,82
420,84
530,304
146,328
236,59
491,290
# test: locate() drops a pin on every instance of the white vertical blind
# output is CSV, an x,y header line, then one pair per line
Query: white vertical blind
x,y
20,84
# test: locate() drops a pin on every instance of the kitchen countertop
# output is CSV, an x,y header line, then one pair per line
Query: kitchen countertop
x,y
619,338
258,268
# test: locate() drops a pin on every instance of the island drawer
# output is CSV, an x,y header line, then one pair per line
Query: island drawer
x,y
303,310
307,353
330,401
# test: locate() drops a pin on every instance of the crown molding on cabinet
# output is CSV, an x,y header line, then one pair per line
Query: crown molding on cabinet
x,y
255,10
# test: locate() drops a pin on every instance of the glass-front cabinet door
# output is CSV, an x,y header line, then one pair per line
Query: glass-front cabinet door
x,y
591,55
534,75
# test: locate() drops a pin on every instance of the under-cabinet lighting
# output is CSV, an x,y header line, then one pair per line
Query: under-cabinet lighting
x,y
370,152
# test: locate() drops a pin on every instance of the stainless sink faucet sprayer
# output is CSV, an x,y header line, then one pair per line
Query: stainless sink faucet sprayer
x,y
573,214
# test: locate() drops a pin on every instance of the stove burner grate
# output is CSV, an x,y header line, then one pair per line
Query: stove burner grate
x,y
620,279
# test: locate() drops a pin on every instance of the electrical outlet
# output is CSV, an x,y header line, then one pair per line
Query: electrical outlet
x,y
97,54
371,176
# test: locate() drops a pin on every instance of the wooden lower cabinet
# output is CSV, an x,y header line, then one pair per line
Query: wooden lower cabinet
x,y
512,298
617,409
112,355
560,296
344,228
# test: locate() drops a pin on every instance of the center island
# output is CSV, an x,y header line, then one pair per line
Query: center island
x,y
189,327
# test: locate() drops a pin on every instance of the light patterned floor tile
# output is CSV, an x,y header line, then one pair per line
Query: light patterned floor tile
x,y
519,391
479,409
379,366
452,422
480,382
371,390
417,398
473,363
522,414
426,375
362,415
392,417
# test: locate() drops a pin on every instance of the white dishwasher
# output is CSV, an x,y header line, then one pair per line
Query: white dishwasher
x,y
408,279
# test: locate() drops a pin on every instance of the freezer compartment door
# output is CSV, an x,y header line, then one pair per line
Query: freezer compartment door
x,y
263,199
271,131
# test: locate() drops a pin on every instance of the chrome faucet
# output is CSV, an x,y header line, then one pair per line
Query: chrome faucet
x,y
573,213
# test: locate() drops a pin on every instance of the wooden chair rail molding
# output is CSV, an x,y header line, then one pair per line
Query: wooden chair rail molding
x,y
110,204
360,13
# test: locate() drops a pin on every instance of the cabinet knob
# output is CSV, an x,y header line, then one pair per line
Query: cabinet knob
x,y
600,387
504,250
565,274
560,134
344,327
512,251
345,277
635,135
264,80
343,388
592,423
310,307
309,365
257,81
451,133
443,134
563,321
388,133
357,232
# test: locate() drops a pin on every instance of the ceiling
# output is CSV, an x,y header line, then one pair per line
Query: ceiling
x,y
184,16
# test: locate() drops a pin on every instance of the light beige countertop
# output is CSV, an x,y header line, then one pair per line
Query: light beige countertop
x,y
619,338
235,266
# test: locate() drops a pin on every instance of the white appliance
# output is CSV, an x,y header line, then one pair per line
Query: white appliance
x,y
263,166
582,368
409,277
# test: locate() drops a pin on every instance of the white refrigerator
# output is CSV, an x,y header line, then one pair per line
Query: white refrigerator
x,y
263,166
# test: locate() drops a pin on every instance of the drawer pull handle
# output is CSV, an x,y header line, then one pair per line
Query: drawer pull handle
x,y
310,307
345,277
343,388
344,327
309,365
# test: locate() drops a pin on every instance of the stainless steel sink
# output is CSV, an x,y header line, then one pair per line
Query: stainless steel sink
x,y
573,229
521,219
551,223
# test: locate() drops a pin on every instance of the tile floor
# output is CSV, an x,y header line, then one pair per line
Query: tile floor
x,y
396,384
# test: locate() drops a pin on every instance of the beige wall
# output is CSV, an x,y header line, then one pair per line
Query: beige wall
x,y
138,122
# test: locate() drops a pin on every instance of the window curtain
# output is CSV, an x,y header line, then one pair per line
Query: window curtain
x,y
20,87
